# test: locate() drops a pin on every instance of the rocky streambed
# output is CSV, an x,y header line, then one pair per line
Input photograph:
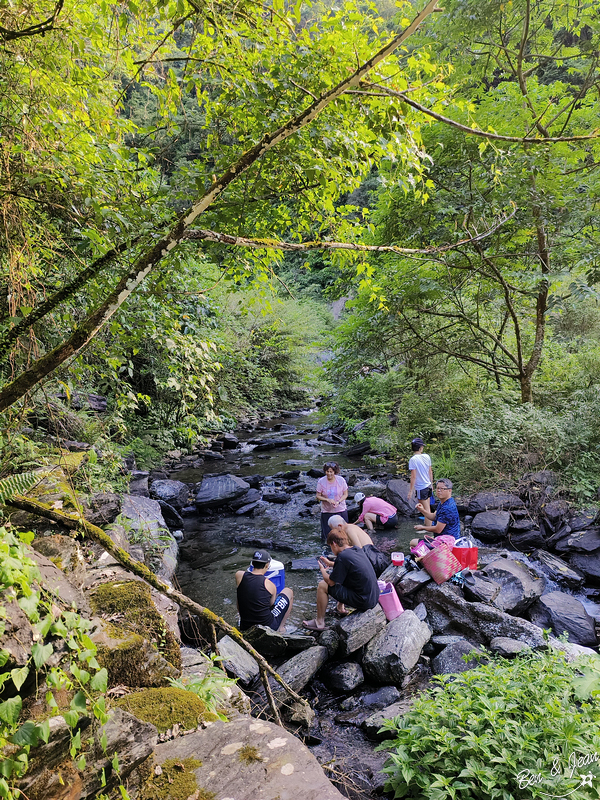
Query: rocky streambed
x,y
199,519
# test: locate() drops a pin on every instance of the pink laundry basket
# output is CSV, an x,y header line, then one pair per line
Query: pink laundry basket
x,y
388,600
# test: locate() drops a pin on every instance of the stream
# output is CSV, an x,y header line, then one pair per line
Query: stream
x,y
210,556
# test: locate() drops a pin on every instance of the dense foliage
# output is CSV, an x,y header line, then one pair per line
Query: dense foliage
x,y
507,729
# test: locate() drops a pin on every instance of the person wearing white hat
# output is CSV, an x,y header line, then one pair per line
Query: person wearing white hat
x,y
375,511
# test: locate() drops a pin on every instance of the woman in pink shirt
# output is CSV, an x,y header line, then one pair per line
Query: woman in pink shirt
x,y
375,511
332,491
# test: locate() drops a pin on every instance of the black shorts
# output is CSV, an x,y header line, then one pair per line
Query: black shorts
x,y
346,596
278,610
425,494
392,522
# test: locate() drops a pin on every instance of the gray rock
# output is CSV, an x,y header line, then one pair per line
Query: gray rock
x,y
330,639
478,588
450,660
345,677
54,580
66,554
491,526
103,508
507,648
229,441
520,585
555,512
492,501
299,670
251,496
449,613
372,725
588,564
218,491
138,484
412,581
440,641
526,540
562,612
558,570
170,515
237,661
247,509
359,628
421,612
582,520
175,493
284,768
397,495
396,649
381,698
270,444
273,644
276,497
131,740
586,541
360,449
393,574
304,564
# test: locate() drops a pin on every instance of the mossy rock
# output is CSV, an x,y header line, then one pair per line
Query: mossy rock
x,y
132,602
130,659
176,781
167,707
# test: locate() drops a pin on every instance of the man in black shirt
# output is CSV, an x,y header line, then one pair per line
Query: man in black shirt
x,y
257,598
352,580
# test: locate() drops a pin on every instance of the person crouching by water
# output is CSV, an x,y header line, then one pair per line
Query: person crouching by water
x,y
446,515
257,598
375,511
332,491
352,580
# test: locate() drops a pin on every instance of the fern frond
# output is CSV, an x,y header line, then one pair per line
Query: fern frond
x,y
19,484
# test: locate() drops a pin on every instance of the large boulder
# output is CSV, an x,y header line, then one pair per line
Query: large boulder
x,y
448,612
393,653
397,495
520,586
492,501
219,490
491,526
244,758
359,628
562,612
229,441
451,661
175,493
102,508
585,541
558,570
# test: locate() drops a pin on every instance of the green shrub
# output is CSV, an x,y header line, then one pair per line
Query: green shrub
x,y
509,729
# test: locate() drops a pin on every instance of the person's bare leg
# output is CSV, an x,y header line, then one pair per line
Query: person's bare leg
x,y
426,504
370,520
322,600
288,593
358,537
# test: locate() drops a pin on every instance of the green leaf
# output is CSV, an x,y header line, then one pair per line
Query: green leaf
x,y
100,681
71,718
28,734
18,676
4,656
10,710
78,703
44,729
41,653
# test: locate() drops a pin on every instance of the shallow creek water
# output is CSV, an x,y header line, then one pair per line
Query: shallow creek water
x,y
209,578
210,556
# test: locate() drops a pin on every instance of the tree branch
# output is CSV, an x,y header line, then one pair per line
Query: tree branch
x,y
39,29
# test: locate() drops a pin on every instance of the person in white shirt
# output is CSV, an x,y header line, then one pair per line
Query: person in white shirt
x,y
421,474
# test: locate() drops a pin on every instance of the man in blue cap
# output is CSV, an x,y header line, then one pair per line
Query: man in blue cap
x,y
257,598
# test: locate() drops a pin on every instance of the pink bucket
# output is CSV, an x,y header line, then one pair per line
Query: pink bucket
x,y
388,600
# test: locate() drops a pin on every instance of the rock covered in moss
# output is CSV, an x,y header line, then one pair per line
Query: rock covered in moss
x,y
167,707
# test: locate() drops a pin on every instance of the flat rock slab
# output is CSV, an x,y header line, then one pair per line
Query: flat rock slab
x,y
237,661
507,648
304,564
372,725
520,585
250,758
558,570
411,581
273,644
219,490
564,613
